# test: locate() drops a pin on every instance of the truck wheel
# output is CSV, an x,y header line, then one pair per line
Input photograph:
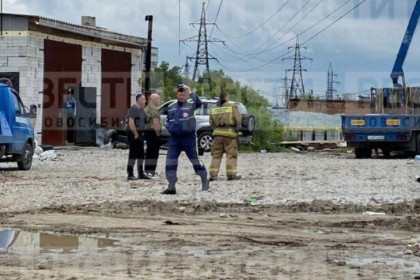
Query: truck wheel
x,y
386,153
205,141
25,161
360,152
368,153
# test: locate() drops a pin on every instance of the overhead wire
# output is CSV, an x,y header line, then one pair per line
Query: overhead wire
x,y
331,24
262,24
311,38
208,5
306,30
217,16
287,22
254,53
297,23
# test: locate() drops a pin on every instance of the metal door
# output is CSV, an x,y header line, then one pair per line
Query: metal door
x,y
62,69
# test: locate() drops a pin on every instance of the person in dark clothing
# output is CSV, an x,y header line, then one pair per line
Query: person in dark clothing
x,y
137,119
70,113
181,124
153,130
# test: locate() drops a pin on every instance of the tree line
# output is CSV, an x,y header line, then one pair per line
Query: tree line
x,y
268,132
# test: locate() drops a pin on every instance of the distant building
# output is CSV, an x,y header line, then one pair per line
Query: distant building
x,y
46,57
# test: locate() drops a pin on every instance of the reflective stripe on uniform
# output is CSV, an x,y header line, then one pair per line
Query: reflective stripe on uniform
x,y
221,110
231,172
225,132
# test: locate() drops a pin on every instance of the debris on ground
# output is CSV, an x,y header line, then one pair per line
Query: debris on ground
x,y
48,155
251,201
296,150
369,213
413,249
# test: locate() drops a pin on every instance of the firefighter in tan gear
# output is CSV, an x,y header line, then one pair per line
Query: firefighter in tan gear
x,y
225,119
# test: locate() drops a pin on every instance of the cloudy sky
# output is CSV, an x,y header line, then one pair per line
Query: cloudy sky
x,y
362,46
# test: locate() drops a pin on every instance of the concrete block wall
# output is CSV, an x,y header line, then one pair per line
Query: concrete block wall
x,y
136,74
22,53
91,73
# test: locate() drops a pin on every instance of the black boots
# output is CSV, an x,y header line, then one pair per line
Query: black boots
x,y
170,190
131,178
204,182
236,177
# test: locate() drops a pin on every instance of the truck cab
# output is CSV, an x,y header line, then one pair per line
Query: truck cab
x,y
393,125
17,137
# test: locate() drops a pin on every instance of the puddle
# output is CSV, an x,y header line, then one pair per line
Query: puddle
x,y
15,241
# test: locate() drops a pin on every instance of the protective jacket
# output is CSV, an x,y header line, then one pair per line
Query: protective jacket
x,y
225,119
181,118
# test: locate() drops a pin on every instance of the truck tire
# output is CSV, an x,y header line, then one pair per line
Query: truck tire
x,y
363,153
24,161
386,153
367,153
358,152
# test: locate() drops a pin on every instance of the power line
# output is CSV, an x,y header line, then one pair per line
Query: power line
x,y
253,54
297,84
328,26
307,29
262,24
202,56
179,27
208,5
290,29
217,15
287,22
330,83
317,34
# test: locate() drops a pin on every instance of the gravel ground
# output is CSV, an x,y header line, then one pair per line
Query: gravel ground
x,y
81,176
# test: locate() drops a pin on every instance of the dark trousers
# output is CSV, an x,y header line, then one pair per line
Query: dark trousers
x,y
176,145
152,152
136,153
70,129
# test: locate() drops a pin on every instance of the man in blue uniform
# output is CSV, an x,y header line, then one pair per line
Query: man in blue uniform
x,y
181,124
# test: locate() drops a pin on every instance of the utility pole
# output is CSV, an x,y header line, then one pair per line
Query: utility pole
x,y
330,83
1,19
149,18
297,85
202,55
187,67
286,81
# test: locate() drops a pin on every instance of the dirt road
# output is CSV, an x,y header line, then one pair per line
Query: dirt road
x,y
240,243
80,220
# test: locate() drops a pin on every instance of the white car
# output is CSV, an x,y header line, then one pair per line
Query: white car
x,y
204,131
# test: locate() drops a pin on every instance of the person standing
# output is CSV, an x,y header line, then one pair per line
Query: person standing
x,y
137,119
181,125
225,119
70,109
153,130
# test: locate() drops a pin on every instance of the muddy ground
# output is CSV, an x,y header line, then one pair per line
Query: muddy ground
x,y
84,221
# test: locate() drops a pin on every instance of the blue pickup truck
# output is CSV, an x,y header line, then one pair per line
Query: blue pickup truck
x,y
17,138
